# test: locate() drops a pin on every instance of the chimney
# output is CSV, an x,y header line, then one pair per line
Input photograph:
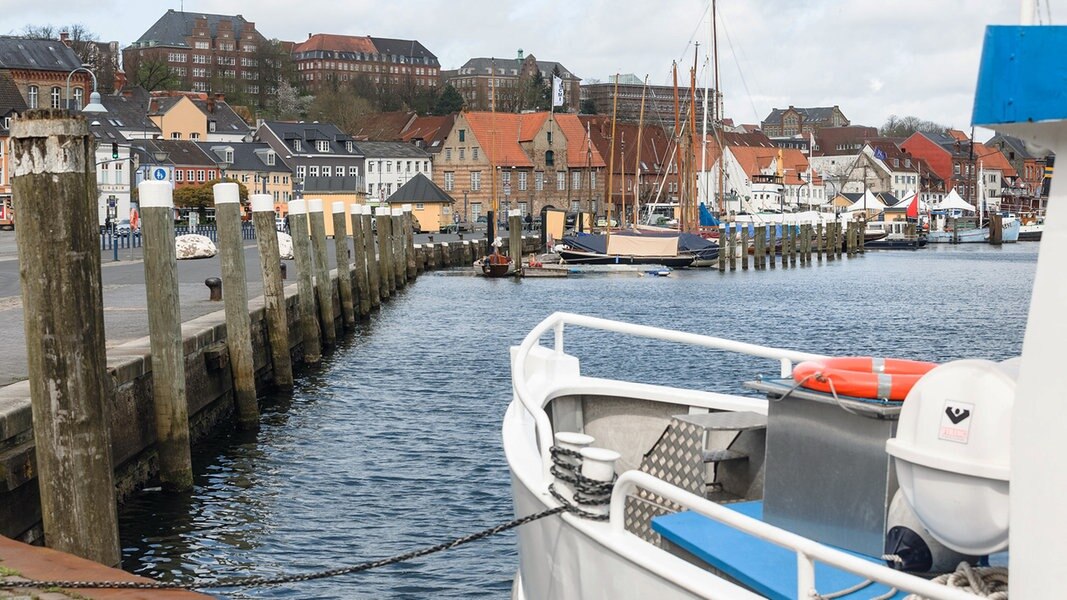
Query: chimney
x,y
64,37
211,104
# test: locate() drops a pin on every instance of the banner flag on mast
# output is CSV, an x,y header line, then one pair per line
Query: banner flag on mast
x,y
557,91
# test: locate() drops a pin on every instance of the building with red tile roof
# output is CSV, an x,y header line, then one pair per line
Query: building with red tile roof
x,y
326,58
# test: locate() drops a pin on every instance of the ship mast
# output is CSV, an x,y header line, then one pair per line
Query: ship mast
x,y
637,161
690,182
611,156
718,113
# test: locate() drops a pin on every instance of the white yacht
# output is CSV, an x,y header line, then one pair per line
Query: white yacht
x,y
689,493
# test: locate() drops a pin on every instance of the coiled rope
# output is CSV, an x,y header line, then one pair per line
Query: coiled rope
x,y
588,492
985,582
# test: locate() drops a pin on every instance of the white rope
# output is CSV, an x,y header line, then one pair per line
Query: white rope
x,y
985,582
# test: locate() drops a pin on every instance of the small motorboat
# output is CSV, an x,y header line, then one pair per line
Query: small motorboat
x,y
494,265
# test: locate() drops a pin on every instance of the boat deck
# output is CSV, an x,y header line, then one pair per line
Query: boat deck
x,y
766,568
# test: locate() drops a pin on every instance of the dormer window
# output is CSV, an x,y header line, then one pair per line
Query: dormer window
x,y
297,146
211,125
348,147
323,145
270,159
229,156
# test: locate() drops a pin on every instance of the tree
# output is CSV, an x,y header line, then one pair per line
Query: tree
x,y
338,105
905,126
202,196
588,107
288,103
448,102
101,57
150,71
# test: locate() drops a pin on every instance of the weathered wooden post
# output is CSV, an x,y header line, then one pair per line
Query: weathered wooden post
x,y
744,247
731,245
170,404
344,266
359,259
861,236
382,218
722,248
819,241
758,247
273,290
515,239
54,189
374,275
235,299
409,247
309,323
839,238
323,284
772,243
793,238
400,265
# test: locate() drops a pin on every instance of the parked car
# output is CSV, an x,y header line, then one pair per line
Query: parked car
x,y
122,228
603,222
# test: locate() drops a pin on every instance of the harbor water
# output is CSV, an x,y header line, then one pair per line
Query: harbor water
x,y
393,443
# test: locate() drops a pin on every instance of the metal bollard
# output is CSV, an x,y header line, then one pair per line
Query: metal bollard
x,y
567,465
214,284
598,464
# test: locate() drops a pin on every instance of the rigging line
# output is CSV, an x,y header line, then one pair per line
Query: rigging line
x,y
734,52
700,22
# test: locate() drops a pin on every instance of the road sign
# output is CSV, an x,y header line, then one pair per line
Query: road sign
x,y
159,174
112,201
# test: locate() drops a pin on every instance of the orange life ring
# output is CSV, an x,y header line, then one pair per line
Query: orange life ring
x,y
862,376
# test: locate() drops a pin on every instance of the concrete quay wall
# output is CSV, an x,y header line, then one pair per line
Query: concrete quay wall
x,y
209,392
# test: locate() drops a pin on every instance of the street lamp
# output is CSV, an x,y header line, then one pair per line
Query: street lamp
x,y
94,105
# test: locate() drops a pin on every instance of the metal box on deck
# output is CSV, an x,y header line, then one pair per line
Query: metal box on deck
x,y
828,476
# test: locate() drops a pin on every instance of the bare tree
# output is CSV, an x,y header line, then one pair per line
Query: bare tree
x,y
905,126
150,71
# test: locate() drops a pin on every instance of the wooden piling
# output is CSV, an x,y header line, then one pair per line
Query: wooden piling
x,y
344,265
772,243
515,238
839,239
323,285
819,241
54,190
731,246
723,240
382,218
309,323
861,236
409,248
273,290
374,271
360,280
235,299
758,247
170,403
744,247
400,266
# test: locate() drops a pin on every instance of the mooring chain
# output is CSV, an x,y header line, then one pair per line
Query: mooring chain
x,y
589,492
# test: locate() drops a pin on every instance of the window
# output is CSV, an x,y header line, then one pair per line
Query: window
x,y
201,45
476,210
201,175
448,154
339,171
539,181
56,98
505,177
420,206
270,158
348,147
576,180
549,135
426,166
550,158
322,145
522,181
450,181
956,169
33,96
211,125
388,167
407,166
476,181
313,171
78,98
175,135
189,175
561,180
194,135
370,190
461,154
353,171
301,171
474,154
298,146
592,180
178,175
462,135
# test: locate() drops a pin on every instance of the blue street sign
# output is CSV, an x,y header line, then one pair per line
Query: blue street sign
x,y
159,174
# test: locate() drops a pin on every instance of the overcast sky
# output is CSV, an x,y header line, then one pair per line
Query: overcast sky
x,y
872,58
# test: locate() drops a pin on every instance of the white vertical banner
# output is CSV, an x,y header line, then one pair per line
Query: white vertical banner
x,y
557,91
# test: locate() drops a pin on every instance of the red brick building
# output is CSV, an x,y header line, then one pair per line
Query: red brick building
x,y
324,58
39,69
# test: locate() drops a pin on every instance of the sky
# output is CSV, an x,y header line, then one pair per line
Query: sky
x,y
872,58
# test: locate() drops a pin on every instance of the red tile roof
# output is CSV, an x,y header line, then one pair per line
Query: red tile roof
x,y
337,43
578,143
754,160
499,135
991,158
431,130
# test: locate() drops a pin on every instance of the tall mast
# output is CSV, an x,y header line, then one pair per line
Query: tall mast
x,y
637,161
589,161
694,219
622,178
678,148
611,153
492,123
718,112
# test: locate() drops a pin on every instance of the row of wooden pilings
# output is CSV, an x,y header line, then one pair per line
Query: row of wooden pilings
x,y
763,246
55,195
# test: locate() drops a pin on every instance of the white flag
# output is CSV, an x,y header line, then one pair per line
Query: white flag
x,y
557,91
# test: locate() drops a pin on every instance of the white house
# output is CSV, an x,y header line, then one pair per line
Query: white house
x,y
753,184
392,164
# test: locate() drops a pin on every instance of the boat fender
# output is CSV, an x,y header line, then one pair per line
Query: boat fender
x,y
862,376
910,547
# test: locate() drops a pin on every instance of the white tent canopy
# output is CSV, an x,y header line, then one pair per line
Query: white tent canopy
x,y
954,201
867,202
907,202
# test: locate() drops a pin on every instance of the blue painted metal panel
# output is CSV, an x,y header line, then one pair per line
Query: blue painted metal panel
x,y
766,568
1022,76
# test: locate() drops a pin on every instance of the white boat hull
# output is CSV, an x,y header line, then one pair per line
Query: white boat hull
x,y
965,236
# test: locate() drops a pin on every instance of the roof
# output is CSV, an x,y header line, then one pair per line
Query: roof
x,y
392,150
483,66
128,113
499,136
429,132
311,132
578,142
410,48
104,131
174,26
226,120
815,114
420,189
161,105
11,101
655,144
754,160
382,127
38,55
335,43
1018,146
185,152
835,141
991,158
247,156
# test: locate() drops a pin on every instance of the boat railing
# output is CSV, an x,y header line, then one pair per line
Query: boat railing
x,y
807,551
556,323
